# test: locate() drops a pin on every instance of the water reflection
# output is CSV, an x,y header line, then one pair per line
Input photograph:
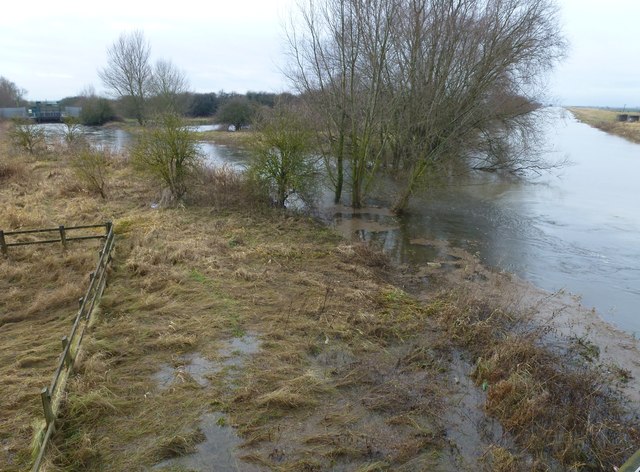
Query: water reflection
x,y
119,140
217,156
576,229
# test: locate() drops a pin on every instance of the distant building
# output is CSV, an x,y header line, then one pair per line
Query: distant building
x,y
8,113
41,112
45,112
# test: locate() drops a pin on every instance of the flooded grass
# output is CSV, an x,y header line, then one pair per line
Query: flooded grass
x,y
261,340
212,444
559,406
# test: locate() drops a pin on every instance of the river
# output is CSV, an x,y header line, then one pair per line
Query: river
x,y
575,229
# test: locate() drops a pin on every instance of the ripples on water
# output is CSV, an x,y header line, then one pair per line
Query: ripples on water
x,y
577,228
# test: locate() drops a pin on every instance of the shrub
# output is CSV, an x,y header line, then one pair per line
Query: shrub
x,y
282,158
72,133
27,136
91,167
96,111
168,151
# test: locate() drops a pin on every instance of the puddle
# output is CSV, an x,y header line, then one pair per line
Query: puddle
x,y
235,351
469,430
216,452
193,365
233,355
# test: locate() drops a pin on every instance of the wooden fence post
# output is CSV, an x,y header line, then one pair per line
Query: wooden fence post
x,y
3,244
63,236
46,405
68,360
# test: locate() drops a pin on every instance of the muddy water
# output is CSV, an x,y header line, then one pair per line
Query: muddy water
x,y
219,449
575,229
217,452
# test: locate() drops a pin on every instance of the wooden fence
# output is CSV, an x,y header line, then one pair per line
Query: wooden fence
x,y
52,395
22,238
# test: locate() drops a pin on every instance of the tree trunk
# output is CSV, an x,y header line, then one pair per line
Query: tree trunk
x,y
340,170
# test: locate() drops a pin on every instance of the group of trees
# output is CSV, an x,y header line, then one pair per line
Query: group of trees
x,y
406,88
143,89
413,87
130,76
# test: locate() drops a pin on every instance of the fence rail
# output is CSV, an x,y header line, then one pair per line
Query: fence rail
x,y
62,230
51,395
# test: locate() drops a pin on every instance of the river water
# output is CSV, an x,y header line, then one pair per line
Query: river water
x,y
575,229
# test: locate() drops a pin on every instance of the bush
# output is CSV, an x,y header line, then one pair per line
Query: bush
x,y
27,136
169,152
282,158
91,167
96,111
72,133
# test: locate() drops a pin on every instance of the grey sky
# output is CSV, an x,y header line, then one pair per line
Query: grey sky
x,y
602,67
54,49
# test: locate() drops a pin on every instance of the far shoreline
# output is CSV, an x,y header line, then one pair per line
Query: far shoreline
x,y
607,121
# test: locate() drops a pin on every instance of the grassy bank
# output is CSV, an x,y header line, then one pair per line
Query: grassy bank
x,y
306,351
607,121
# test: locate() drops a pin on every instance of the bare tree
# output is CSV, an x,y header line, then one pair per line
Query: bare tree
x,y
415,86
10,94
339,50
465,81
168,87
128,72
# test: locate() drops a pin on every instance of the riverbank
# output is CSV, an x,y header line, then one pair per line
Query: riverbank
x,y
262,340
607,120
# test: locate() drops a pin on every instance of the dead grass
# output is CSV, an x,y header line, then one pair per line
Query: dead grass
x,y
224,188
606,120
39,289
351,371
560,408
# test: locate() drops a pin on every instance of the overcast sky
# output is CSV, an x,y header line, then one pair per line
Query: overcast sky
x,y
54,49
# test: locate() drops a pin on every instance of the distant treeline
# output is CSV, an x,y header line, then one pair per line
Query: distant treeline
x,y
99,110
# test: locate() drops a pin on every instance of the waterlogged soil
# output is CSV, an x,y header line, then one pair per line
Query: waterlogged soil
x,y
455,267
341,367
232,356
216,452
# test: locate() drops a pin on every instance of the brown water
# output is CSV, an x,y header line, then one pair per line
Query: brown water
x,y
577,228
